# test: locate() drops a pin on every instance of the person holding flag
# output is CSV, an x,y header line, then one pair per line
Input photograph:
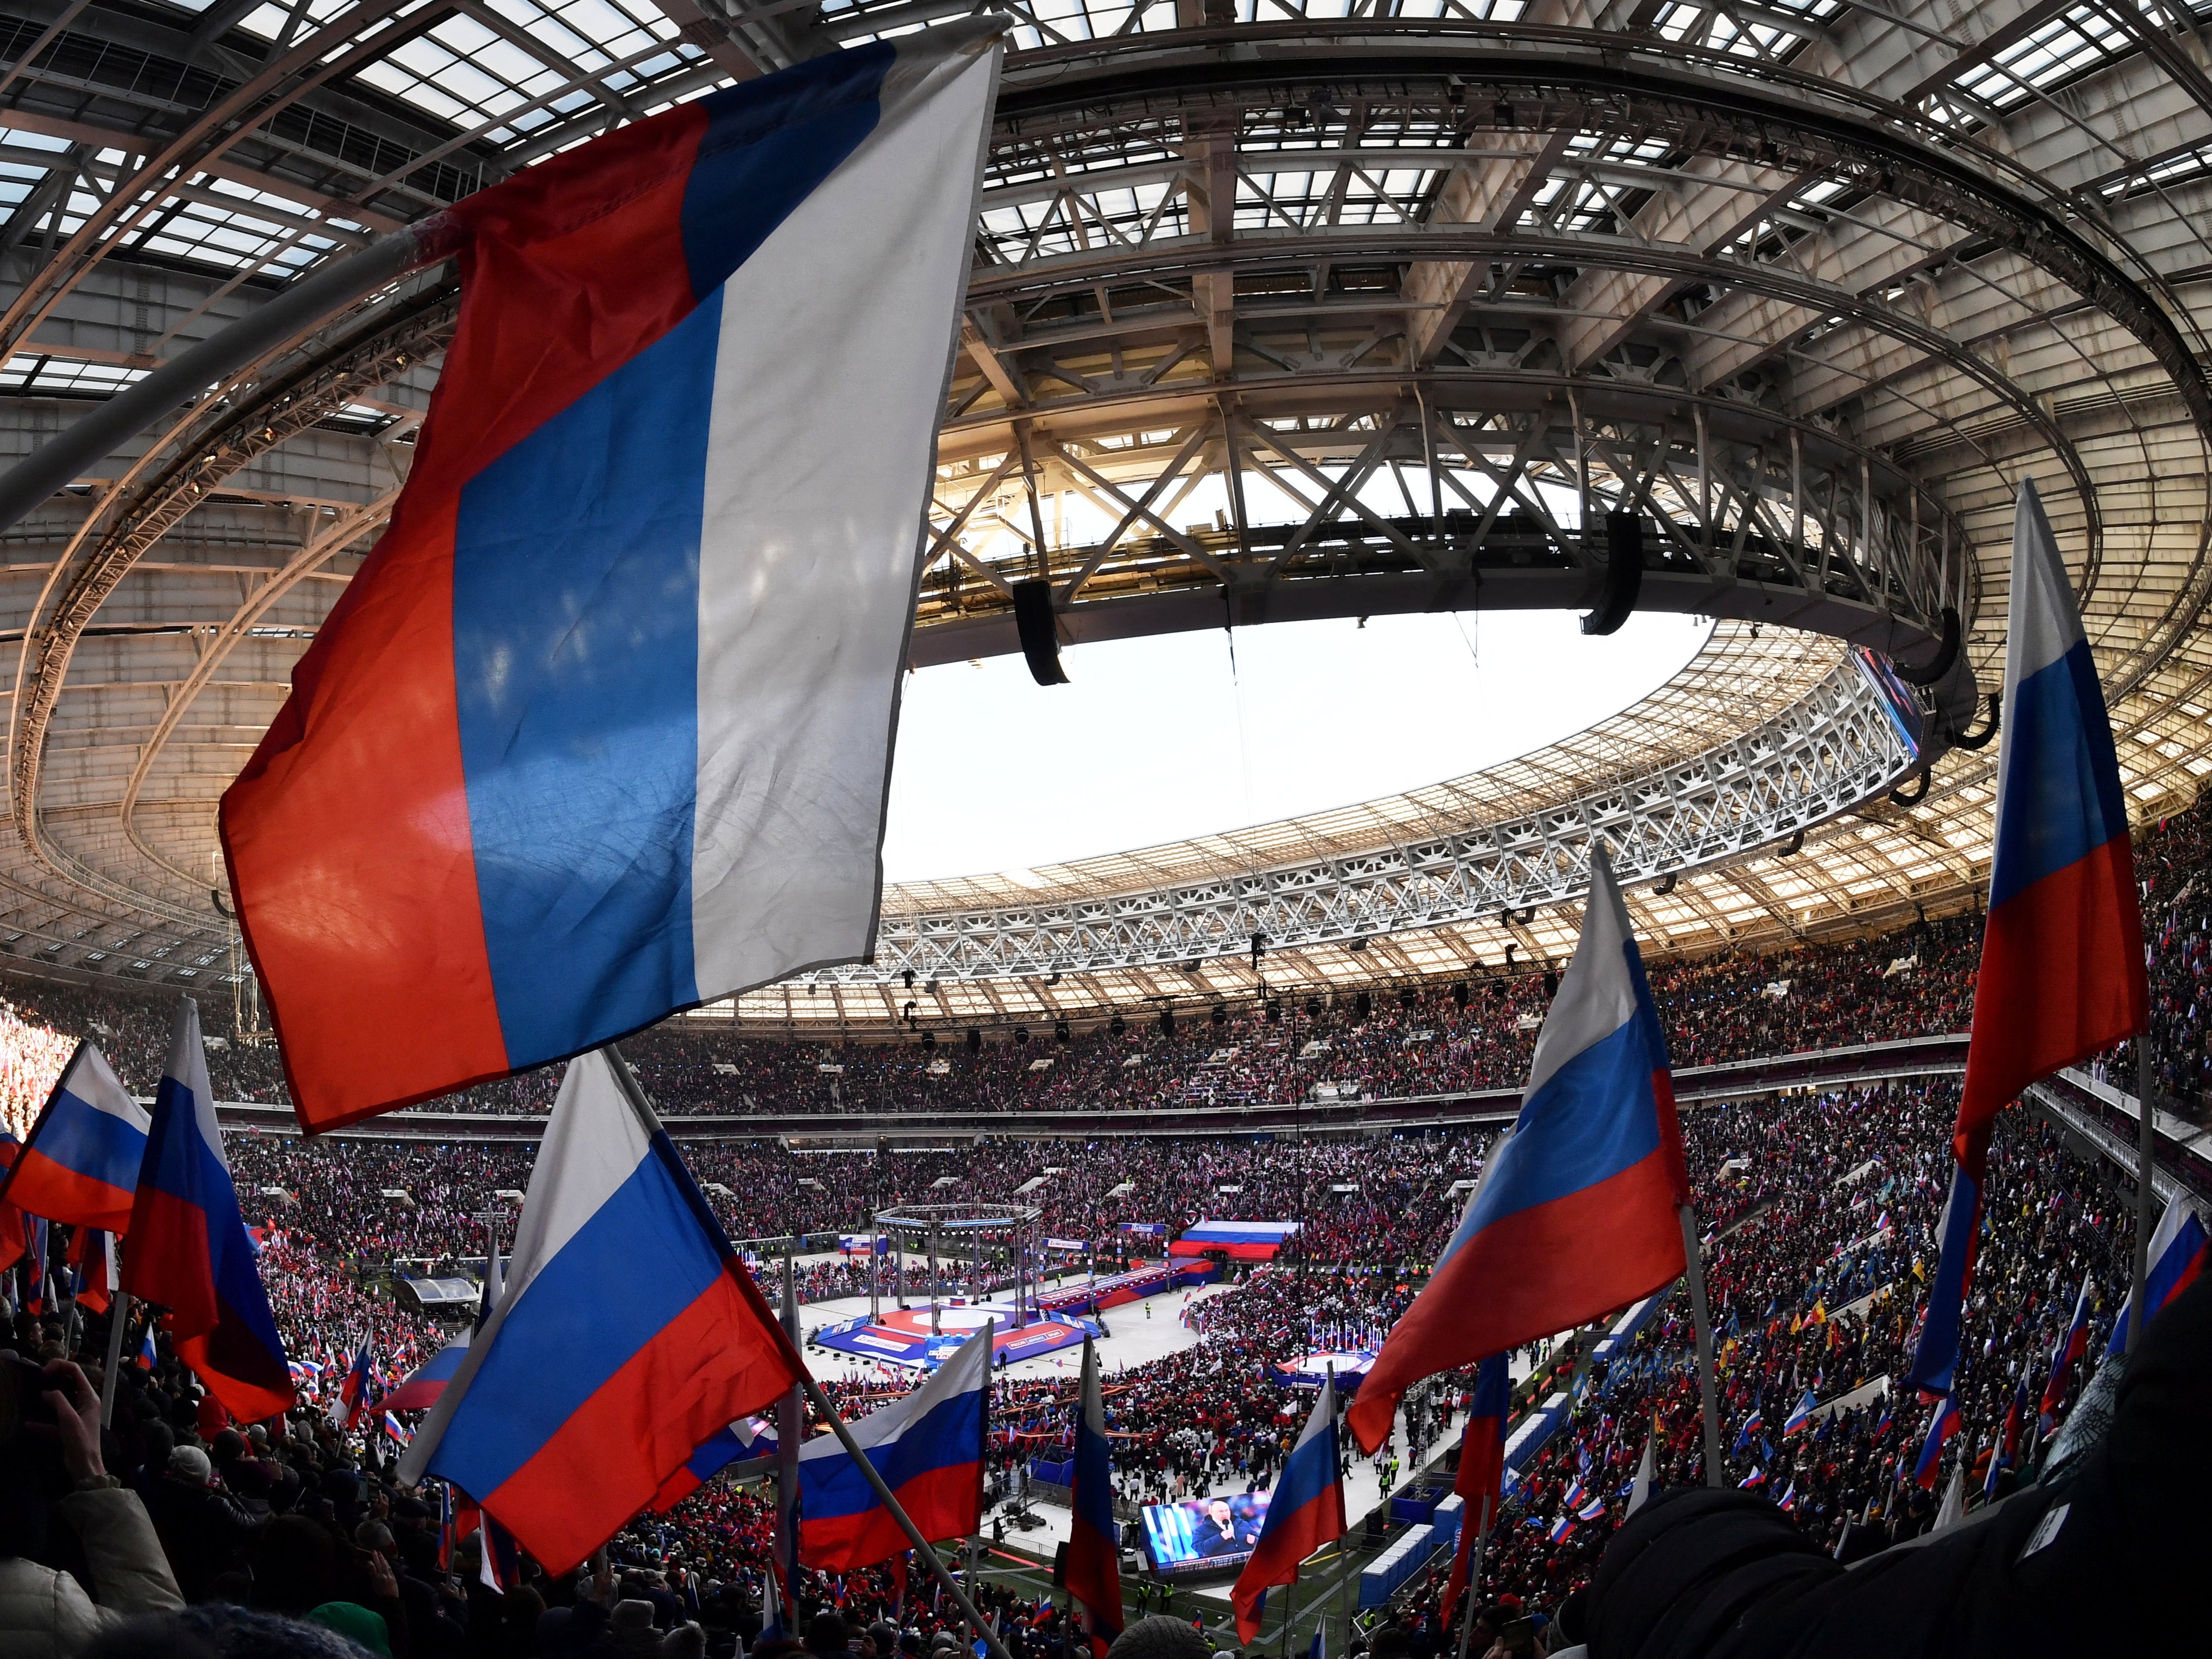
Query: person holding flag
x,y
1094,1557
359,1392
1583,1205
1305,1511
2062,973
590,1386
189,1249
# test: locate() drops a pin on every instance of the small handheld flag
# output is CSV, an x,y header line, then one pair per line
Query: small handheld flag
x,y
80,1163
2177,1257
189,1249
592,1382
1577,1211
1802,1415
1482,1469
929,1447
2071,1346
1094,1563
1305,1511
2062,972
1941,1427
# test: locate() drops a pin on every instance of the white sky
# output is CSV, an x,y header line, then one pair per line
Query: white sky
x,y
1154,741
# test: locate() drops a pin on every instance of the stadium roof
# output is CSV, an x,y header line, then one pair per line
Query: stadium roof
x,y
1278,311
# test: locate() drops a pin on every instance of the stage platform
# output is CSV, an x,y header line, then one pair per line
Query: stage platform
x,y
901,1336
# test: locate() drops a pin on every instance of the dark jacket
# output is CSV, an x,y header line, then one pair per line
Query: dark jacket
x,y
2111,1559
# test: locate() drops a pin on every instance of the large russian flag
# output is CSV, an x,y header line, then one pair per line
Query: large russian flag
x,y
81,1161
1305,1511
189,1249
628,1333
1094,1540
602,729
1577,1212
2177,1257
2062,973
929,1447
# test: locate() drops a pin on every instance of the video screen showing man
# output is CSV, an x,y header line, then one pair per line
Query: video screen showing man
x,y
1205,1530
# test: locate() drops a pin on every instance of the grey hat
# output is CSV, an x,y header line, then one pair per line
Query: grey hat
x,y
1160,1637
192,1463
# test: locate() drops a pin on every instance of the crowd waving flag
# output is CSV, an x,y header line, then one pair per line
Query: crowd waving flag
x,y
1577,1210
2062,972
927,1446
602,729
189,1250
1305,1511
2177,1257
1094,1554
628,1333
80,1163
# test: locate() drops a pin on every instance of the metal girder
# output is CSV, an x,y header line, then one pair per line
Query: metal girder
x,y
1811,530
1837,749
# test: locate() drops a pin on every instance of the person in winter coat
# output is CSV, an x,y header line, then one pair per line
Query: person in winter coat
x,y
44,1612
2108,1557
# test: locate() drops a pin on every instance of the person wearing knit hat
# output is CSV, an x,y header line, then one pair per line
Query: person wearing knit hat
x,y
192,1464
357,1623
1159,1636
631,1626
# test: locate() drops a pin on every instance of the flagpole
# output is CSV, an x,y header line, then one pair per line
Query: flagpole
x,y
1472,1596
119,1315
1693,1270
1343,1544
2146,1170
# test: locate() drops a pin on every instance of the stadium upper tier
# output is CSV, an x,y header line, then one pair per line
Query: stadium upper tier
x,y
1760,313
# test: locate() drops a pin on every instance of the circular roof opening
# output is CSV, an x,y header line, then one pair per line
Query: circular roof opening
x,y
1180,735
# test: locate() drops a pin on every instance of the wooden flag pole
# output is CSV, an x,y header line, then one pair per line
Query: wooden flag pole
x,y
1693,1269
119,1315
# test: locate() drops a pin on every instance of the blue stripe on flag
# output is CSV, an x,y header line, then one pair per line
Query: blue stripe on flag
x,y
79,1136
624,1277
576,671
768,145
1590,1120
2062,795
950,1435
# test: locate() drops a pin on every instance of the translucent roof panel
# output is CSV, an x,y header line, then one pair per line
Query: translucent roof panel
x,y
2075,41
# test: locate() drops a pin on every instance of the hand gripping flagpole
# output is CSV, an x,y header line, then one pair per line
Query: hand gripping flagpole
x,y
634,1093
1693,1270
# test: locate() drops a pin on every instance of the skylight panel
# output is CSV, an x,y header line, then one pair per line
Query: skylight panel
x,y
37,372
2068,45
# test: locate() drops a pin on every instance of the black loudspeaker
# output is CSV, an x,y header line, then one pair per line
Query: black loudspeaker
x,y
974,1038
1040,635
1624,574
1363,1005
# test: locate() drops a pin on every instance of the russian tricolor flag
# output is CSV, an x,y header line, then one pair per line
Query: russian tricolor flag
x,y
2070,1348
189,1249
2177,1257
929,1447
420,1388
81,1161
358,1391
1481,1474
1801,1415
1941,1427
2062,972
1305,1511
602,729
627,1334
1094,1542
1577,1210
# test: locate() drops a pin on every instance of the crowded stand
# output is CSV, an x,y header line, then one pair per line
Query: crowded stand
x,y
1821,1211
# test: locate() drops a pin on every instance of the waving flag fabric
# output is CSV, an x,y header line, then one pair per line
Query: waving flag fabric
x,y
602,729
1305,1511
80,1163
1802,1415
733,1441
1577,1212
15,1228
1094,1554
359,1392
927,1446
420,1388
1482,1469
2062,972
189,1249
628,1333
2177,1257
1946,1422
2071,1346
94,1286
